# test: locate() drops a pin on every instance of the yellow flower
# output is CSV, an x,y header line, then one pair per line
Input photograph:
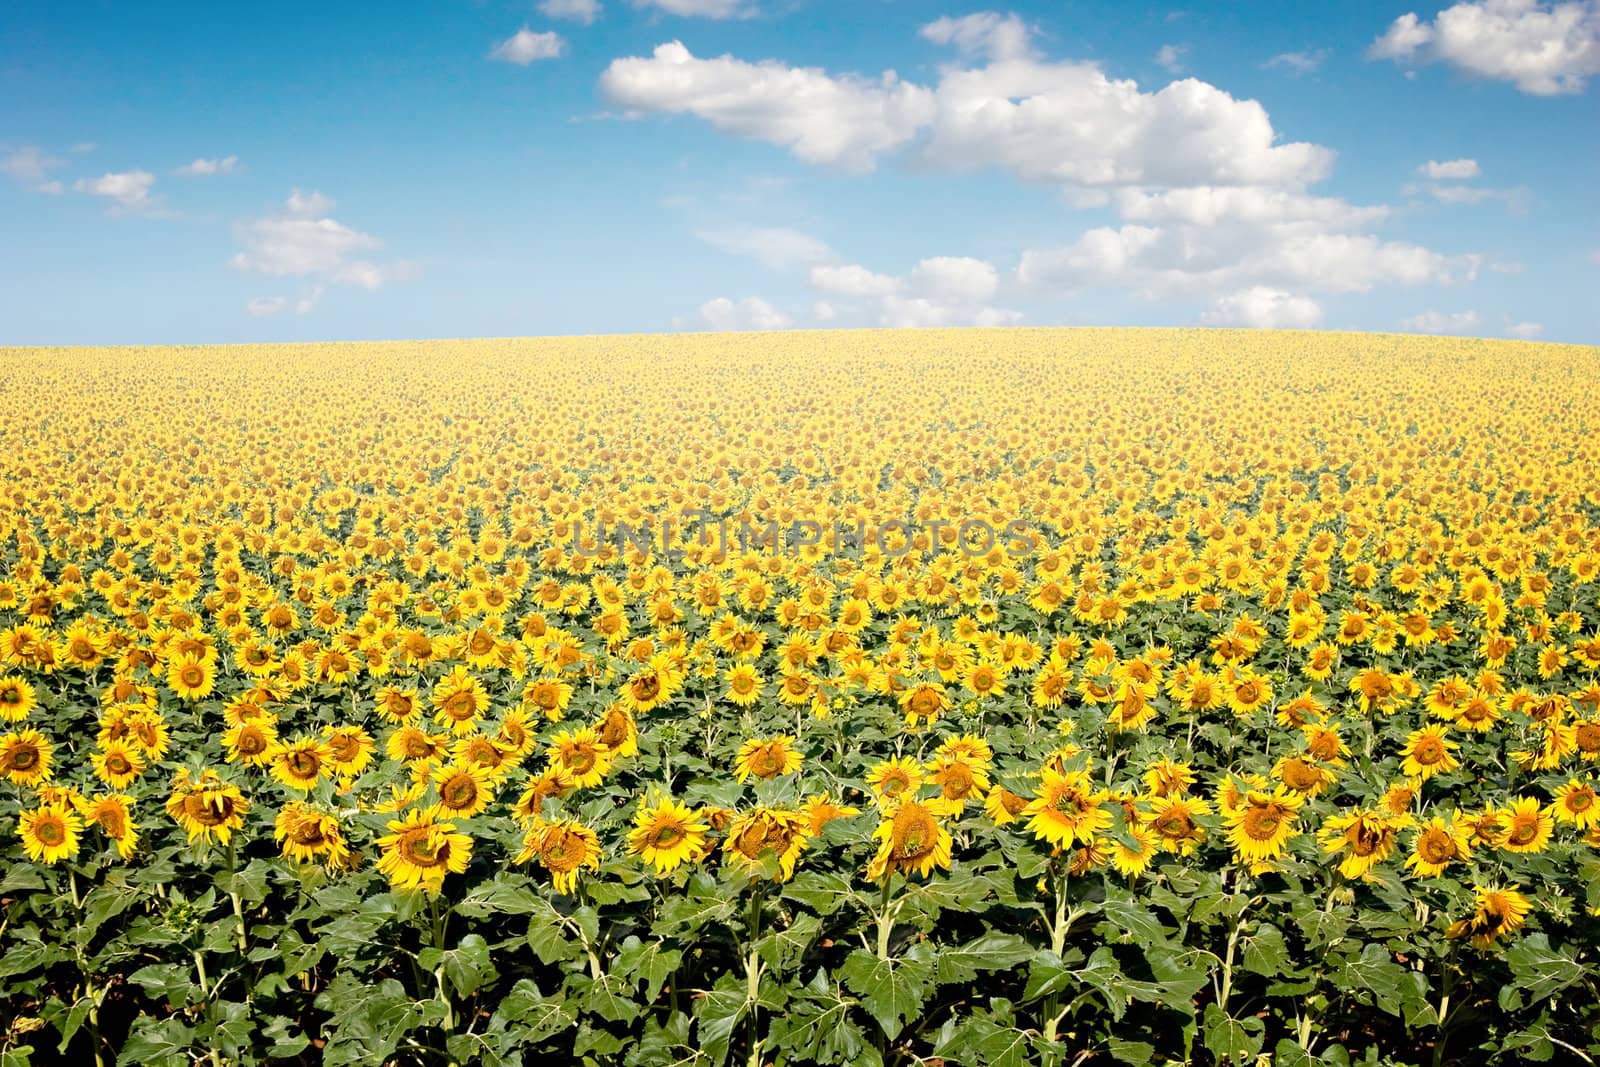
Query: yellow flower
x,y
563,848
1261,826
1575,804
206,807
751,839
306,834
113,814
420,850
299,764
25,756
1497,912
117,764
766,758
17,698
1526,827
1427,752
463,790
1132,857
666,835
580,755
1066,809
1439,842
1364,838
912,839
49,833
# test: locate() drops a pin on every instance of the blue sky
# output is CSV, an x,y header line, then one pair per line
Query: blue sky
x,y
200,173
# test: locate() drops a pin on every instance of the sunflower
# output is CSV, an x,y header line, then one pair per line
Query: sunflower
x,y
1527,828
1246,691
117,764
251,743
306,834
1004,806
984,680
619,731
17,699
744,685
924,703
458,699
1065,808
820,810
1575,804
420,850
892,779
1439,843
113,814
49,833
1131,707
766,832
1132,857
1497,912
1260,827
192,676
25,756
912,840
552,783
1427,752
653,686
563,848
1172,820
463,790
1302,775
415,746
1366,838
766,759
349,749
206,807
548,697
580,755
299,764
666,835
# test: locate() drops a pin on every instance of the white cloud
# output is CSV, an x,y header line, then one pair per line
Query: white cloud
x,y
1525,330
1209,205
1170,57
751,313
986,33
129,191
823,311
709,9
582,11
853,280
956,279
1450,170
1515,199
202,167
30,168
1443,322
301,241
1264,308
1299,62
1543,48
525,46
1064,123
775,247
265,307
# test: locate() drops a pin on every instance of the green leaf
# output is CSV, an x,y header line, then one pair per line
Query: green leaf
x,y
993,951
1236,1040
1265,952
891,990
648,962
504,895
466,967
1541,970
716,1014
156,1044
529,1016
165,982
1125,916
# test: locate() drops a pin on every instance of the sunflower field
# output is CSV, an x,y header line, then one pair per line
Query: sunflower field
x,y
978,697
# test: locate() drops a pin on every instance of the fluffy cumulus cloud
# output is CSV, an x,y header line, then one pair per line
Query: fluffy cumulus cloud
x,y
708,9
1443,322
128,191
751,313
580,11
1542,48
775,247
302,241
1450,170
1527,331
1261,307
30,168
206,167
525,46
1065,123
938,291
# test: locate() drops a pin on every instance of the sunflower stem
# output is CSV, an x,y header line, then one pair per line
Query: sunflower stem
x,y
753,973
885,920
233,894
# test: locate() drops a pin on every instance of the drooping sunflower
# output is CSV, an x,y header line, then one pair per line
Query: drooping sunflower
x,y
1260,828
1364,839
1004,806
1133,856
912,839
552,783
1527,826
17,698
207,807
1497,912
667,834
618,731
307,834
563,848
1173,820
1066,808
767,758
113,814
1167,777
581,756
463,790
1427,752
49,833
421,849
653,685
820,810
25,756
301,763
117,764
1439,842
766,833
